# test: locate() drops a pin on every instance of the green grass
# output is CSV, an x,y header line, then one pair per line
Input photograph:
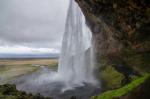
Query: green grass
x,y
124,90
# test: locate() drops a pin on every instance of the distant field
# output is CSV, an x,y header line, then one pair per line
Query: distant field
x,y
28,61
10,69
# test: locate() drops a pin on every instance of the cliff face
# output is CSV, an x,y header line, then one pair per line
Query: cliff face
x,y
121,31
118,24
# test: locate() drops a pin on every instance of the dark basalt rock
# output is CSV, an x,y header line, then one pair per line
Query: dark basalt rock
x,y
117,24
121,33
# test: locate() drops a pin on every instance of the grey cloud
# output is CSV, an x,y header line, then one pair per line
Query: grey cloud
x,y
38,23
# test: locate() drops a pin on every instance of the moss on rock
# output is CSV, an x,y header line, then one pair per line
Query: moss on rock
x,y
111,78
115,94
8,91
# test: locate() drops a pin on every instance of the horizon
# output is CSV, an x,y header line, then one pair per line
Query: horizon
x,y
29,56
27,52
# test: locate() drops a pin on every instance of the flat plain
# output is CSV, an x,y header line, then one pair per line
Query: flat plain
x,y
12,68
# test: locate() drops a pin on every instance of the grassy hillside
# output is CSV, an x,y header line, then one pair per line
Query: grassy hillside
x,y
113,94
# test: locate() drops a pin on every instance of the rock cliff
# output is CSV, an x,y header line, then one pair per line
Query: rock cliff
x,y
121,34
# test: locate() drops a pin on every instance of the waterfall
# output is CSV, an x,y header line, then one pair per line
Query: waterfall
x,y
76,64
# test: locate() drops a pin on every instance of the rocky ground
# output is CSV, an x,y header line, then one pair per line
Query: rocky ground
x,y
10,92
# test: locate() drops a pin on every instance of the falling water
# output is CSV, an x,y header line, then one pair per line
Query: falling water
x,y
76,61
76,64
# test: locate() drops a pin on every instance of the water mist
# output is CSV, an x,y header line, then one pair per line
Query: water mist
x,y
76,63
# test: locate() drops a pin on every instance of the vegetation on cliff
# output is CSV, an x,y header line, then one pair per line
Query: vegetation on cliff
x,y
115,94
121,31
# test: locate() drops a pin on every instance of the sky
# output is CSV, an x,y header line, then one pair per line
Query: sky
x,y
32,26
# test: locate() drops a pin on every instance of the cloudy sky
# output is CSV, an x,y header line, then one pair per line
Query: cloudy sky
x,y
28,26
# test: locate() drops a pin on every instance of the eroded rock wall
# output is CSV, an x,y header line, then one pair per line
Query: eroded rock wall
x,y
121,31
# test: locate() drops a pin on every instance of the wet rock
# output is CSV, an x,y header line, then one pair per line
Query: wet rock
x,y
121,31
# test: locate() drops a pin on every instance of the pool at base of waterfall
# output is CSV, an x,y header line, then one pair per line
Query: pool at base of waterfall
x,y
41,82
